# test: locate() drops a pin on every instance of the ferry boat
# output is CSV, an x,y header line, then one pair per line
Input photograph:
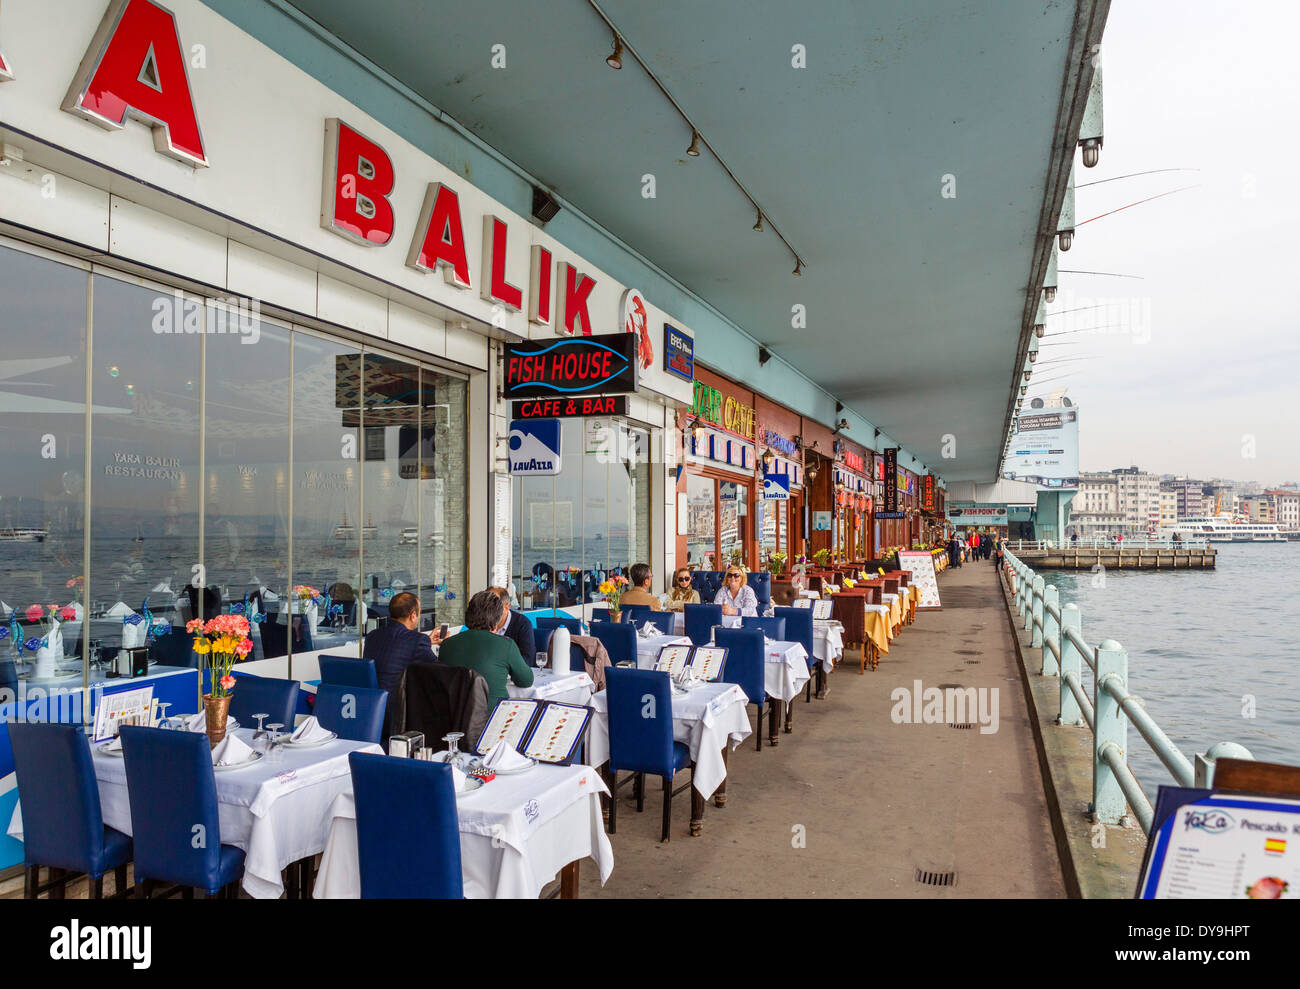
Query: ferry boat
x,y
22,534
346,530
1224,529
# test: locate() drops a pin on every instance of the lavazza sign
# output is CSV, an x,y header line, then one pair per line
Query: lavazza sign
x,y
136,67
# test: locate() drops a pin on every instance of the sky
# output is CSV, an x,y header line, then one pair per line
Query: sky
x,y
1192,367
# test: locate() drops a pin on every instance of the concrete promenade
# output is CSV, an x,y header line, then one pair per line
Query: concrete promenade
x,y
876,800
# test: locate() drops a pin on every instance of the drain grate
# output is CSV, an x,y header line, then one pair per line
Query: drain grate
x,y
968,652
965,727
927,878
971,662
951,686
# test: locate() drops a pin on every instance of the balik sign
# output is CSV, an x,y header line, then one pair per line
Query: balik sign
x,y
535,446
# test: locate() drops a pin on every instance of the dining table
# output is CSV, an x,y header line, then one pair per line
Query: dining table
x,y
517,834
275,809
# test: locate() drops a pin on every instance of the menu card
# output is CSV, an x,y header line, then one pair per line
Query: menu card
x,y
510,721
125,707
803,602
673,659
822,608
557,733
707,662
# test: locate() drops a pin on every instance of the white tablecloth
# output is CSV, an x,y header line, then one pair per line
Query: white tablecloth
x,y
786,669
703,719
571,688
648,648
516,834
828,643
276,812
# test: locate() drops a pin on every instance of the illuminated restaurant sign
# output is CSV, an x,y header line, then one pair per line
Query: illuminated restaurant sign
x,y
778,442
596,365
927,492
568,408
712,406
891,479
853,461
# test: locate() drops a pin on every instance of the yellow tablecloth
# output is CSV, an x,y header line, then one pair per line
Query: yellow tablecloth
x,y
896,610
878,631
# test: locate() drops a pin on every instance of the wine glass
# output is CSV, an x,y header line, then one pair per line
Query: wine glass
x,y
162,711
541,659
274,750
452,738
261,732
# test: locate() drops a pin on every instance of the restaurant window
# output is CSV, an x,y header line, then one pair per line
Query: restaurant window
x,y
145,476
199,493
733,515
574,529
246,462
42,447
702,522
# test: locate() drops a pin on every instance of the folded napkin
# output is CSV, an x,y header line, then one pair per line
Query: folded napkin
x,y
269,595
310,731
119,610
114,746
230,751
504,758
78,612
134,632
648,630
164,588
199,722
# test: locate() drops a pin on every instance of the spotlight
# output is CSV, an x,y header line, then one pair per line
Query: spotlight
x,y
764,355
615,58
694,149
839,407
758,224
844,424
544,207
798,267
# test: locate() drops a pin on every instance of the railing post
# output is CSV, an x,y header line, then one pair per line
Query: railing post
x,y
1111,728
1022,585
1035,612
1051,630
1071,662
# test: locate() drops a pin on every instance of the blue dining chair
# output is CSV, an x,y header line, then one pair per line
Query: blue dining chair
x,y
276,698
619,640
641,739
408,832
700,619
275,638
746,666
773,628
63,826
355,713
799,628
173,793
348,671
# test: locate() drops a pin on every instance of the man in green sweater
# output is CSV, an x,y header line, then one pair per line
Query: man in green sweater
x,y
494,657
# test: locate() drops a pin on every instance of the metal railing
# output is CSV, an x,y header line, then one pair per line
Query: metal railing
x,y
1057,630
1108,542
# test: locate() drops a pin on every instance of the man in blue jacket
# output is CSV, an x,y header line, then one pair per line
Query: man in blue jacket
x,y
398,642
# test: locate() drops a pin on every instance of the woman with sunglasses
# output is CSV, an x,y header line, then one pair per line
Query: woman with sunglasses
x,y
682,592
736,596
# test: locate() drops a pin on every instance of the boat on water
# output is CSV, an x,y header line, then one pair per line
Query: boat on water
x,y
346,530
1224,529
22,534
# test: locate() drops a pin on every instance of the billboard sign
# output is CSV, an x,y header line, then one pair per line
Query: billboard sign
x,y
1045,449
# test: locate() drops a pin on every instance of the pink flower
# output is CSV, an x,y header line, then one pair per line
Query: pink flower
x,y
194,626
245,647
227,682
34,613
68,613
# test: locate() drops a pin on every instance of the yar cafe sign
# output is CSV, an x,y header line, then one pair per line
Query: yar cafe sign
x,y
136,66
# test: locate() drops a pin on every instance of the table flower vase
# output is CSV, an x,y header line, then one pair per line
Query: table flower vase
x,y
615,616
216,710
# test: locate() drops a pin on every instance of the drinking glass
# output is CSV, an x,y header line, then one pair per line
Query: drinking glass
x,y
261,732
540,660
452,738
274,749
162,712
